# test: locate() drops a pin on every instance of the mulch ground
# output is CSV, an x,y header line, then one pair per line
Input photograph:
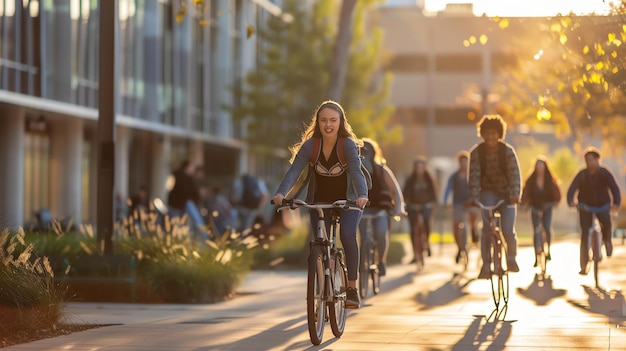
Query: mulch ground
x,y
27,336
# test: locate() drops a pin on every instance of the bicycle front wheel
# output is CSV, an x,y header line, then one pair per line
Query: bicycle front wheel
x,y
315,300
374,273
338,309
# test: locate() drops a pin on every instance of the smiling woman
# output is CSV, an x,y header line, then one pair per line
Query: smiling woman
x,y
527,8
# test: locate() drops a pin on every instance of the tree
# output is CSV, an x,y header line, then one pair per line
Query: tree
x,y
293,76
341,50
573,78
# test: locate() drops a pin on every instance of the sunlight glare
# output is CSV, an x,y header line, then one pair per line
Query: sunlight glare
x,y
528,8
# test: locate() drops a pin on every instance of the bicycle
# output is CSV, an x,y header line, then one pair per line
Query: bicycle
x,y
541,244
594,238
420,239
327,277
368,266
462,241
496,255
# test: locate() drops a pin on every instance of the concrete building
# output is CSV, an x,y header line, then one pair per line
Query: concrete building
x,y
173,78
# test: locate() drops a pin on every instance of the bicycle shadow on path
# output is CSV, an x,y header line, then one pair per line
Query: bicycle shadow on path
x,y
487,332
541,290
610,303
272,337
445,294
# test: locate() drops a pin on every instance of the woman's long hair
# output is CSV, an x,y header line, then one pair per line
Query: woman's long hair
x,y
313,130
548,177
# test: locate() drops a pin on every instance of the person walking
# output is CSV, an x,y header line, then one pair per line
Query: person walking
x,y
595,186
541,193
330,180
494,175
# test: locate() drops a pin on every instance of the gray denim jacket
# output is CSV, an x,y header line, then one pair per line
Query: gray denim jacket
x,y
298,174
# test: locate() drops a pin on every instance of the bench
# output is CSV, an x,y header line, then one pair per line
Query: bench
x,y
96,270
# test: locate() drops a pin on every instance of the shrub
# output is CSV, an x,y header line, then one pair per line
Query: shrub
x,y
28,298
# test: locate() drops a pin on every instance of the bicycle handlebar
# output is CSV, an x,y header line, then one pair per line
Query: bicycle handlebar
x,y
339,204
488,208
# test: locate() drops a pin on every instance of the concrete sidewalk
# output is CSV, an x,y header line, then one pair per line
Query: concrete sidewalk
x,y
440,308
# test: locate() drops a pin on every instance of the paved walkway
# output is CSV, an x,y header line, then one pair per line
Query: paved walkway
x,y
437,309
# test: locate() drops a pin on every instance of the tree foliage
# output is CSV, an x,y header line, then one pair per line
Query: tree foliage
x,y
572,78
293,71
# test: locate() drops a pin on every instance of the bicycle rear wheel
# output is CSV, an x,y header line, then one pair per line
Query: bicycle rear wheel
x,y
315,300
337,311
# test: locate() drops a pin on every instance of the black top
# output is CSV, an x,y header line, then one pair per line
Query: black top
x,y
330,188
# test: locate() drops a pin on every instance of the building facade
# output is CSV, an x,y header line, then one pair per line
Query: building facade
x,y
174,77
444,66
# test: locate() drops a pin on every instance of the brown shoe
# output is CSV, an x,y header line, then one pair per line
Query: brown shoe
x,y
485,273
352,298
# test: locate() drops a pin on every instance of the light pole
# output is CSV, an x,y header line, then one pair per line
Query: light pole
x,y
107,96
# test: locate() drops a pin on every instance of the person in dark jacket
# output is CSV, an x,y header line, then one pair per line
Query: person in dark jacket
x,y
420,197
184,188
541,193
596,187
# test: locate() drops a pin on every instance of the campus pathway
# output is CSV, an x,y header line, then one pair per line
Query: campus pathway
x,y
437,309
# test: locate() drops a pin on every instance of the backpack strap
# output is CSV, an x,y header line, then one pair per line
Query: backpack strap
x,y
317,145
342,157
317,150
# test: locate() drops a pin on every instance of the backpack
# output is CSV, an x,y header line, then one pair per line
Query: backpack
x,y
379,194
501,159
252,192
317,150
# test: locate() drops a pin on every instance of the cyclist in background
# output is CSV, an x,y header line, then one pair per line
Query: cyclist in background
x,y
457,185
595,185
419,189
494,175
385,197
541,192
329,180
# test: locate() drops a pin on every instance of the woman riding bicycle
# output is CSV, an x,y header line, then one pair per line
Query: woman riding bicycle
x,y
420,195
541,192
329,180
595,185
385,199
494,175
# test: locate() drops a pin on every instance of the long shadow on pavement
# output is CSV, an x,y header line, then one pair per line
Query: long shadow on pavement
x,y
541,290
486,332
445,294
609,303
269,338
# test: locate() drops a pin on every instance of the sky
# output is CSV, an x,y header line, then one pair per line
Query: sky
x,y
522,8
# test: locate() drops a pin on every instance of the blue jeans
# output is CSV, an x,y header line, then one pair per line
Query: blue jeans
x,y
380,230
348,222
508,213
